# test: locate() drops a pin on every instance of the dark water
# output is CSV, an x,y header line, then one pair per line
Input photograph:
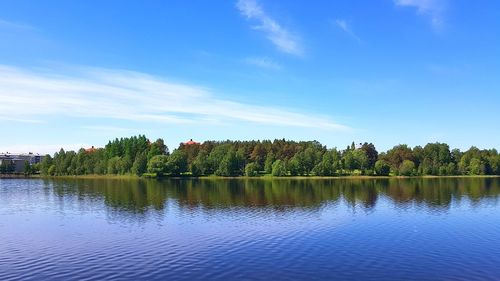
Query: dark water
x,y
413,229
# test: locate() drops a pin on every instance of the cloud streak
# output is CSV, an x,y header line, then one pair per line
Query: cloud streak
x,y
344,26
133,96
433,9
283,39
100,128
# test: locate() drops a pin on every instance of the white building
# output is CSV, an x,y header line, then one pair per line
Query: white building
x,y
16,162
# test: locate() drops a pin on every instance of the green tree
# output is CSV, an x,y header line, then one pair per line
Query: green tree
x,y
45,165
396,155
296,165
216,157
353,146
407,168
328,165
140,165
495,164
52,170
177,162
278,169
114,165
436,157
230,165
371,154
268,164
35,168
59,162
382,168
293,166
195,169
252,169
158,164
27,168
456,155
157,148
451,169
200,164
259,154
476,167
311,157
467,166
125,164
100,167
355,159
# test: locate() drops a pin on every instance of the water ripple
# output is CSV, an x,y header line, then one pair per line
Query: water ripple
x,y
118,230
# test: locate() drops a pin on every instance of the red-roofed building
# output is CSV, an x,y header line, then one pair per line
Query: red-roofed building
x,y
90,150
191,142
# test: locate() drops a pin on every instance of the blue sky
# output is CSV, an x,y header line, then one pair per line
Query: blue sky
x,y
77,73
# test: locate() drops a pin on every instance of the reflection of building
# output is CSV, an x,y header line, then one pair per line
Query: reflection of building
x,y
15,163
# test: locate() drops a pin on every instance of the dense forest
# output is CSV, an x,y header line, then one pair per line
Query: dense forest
x,y
137,155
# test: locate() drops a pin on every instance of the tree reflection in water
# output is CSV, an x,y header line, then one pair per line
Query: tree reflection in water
x,y
139,195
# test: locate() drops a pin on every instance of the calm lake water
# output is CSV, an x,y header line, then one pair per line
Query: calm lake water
x,y
398,229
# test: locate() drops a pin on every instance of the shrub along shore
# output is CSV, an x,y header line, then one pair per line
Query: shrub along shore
x,y
279,158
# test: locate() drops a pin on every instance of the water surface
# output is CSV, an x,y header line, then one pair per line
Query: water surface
x,y
397,229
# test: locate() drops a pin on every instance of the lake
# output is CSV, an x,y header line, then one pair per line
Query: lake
x,y
240,229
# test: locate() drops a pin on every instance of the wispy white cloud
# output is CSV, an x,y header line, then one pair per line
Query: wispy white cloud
x,y
283,39
345,26
433,9
112,129
263,62
11,119
126,95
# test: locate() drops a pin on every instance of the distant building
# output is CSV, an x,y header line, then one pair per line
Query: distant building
x,y
190,142
90,150
14,163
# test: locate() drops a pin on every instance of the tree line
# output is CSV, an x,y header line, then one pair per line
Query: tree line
x,y
139,156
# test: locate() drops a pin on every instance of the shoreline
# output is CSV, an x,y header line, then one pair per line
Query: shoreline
x,y
134,177
13,176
